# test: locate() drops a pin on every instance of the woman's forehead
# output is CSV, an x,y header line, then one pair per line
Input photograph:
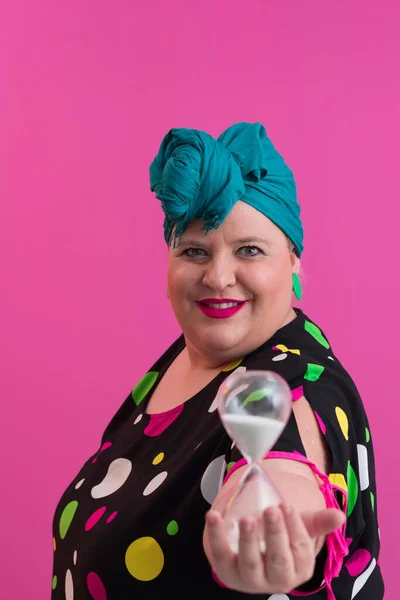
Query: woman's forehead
x,y
243,224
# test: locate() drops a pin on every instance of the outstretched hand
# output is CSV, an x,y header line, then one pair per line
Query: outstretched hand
x,y
290,541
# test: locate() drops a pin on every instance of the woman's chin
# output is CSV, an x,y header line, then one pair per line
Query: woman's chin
x,y
221,342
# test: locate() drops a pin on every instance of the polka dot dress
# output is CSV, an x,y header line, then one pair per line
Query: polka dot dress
x,y
130,524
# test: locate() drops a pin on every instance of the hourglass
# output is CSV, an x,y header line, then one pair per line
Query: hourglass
x,y
254,407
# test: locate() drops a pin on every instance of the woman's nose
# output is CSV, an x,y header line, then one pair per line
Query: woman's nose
x,y
219,274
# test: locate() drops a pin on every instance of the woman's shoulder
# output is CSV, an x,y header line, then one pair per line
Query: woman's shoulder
x,y
302,354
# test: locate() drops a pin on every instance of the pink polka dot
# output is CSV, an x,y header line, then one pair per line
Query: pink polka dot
x,y
217,580
105,446
297,393
112,517
96,587
357,563
159,422
320,423
95,518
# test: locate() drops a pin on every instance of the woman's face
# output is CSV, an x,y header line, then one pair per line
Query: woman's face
x,y
231,289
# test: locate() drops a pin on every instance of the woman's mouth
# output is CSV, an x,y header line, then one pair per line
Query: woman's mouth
x,y
220,308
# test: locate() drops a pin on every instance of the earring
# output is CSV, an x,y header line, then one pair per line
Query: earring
x,y
298,292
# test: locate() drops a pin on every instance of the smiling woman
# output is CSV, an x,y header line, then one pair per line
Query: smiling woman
x,y
248,255
145,520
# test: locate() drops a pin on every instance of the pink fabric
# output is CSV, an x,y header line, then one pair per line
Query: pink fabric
x,y
297,393
160,421
320,423
335,541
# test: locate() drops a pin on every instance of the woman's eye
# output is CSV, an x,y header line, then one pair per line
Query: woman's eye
x,y
193,252
250,251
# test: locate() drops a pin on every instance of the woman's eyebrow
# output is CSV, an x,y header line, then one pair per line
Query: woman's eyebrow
x,y
247,240
252,240
189,242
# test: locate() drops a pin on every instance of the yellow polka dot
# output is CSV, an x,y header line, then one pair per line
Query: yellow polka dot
x,y
144,559
158,458
339,481
232,365
284,348
54,543
343,421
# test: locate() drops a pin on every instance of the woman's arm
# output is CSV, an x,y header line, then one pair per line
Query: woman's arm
x,y
294,536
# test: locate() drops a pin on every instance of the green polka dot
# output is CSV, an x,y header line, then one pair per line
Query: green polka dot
x,y
142,388
367,435
316,333
230,465
372,501
172,528
313,372
254,397
54,583
352,485
66,518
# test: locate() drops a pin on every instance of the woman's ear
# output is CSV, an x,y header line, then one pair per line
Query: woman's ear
x,y
295,262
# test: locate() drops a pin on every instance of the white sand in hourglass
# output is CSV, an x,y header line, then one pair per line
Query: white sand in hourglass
x,y
253,435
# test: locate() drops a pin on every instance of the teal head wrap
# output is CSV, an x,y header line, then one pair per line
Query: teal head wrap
x,y
199,177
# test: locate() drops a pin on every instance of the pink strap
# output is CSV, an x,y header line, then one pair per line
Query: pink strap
x,y
335,541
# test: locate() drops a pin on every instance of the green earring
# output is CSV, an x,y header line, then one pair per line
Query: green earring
x,y
298,292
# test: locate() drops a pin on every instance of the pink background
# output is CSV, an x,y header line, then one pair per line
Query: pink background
x,y
87,91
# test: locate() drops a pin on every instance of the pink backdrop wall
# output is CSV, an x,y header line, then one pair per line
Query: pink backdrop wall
x,y
87,91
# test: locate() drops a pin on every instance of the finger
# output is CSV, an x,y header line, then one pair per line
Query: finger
x,y
219,553
301,544
250,561
279,561
323,522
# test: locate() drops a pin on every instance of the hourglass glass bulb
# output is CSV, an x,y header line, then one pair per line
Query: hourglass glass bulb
x,y
254,407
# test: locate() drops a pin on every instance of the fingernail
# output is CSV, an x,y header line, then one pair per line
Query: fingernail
x,y
248,526
287,509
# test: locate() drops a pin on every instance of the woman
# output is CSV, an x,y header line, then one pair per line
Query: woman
x,y
142,519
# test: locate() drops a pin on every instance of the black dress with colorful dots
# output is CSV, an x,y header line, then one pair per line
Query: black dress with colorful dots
x,y
130,525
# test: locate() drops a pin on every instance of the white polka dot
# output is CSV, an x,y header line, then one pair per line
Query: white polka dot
x,y
78,485
279,597
240,369
214,405
69,586
278,358
75,557
362,579
363,466
212,479
138,418
331,358
155,483
118,472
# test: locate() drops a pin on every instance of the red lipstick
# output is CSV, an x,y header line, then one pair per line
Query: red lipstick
x,y
220,308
